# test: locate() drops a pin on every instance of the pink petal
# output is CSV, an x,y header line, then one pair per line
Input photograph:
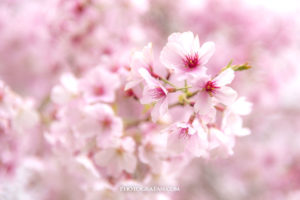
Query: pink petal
x,y
148,78
196,45
103,158
203,103
163,107
151,95
224,77
200,82
155,113
171,56
129,162
175,144
132,84
226,95
206,51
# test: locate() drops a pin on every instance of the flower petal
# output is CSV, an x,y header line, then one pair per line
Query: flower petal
x,y
163,107
129,162
224,77
206,51
226,95
171,56
104,157
147,77
155,113
132,84
203,103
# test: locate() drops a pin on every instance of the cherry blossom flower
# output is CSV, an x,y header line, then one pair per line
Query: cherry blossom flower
x,y
154,91
99,85
184,54
66,90
232,121
140,59
212,91
152,150
187,138
100,121
221,141
94,136
118,157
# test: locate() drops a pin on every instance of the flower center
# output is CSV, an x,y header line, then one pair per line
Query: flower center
x,y
106,123
184,133
191,61
98,91
210,87
157,93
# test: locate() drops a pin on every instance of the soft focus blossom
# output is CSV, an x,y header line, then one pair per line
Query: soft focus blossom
x,y
183,53
189,138
118,157
97,95
214,89
154,92
99,85
143,59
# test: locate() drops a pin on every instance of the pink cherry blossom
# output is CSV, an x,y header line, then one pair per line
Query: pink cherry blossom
x,y
221,141
153,151
187,138
212,91
66,90
183,53
118,157
100,121
140,59
154,91
232,121
69,130
99,85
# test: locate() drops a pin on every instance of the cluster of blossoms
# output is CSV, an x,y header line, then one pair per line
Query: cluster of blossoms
x,y
210,110
103,115
19,130
181,113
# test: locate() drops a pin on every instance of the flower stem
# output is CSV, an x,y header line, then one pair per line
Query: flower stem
x,y
167,82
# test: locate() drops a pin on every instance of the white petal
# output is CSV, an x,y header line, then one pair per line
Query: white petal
x,y
243,132
148,78
187,41
201,80
196,44
128,144
148,96
203,103
138,61
60,95
241,106
224,77
148,54
104,157
132,84
155,113
175,144
206,52
226,95
163,107
69,82
129,162
171,56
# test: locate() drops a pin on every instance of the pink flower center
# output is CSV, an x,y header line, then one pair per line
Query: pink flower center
x,y
106,123
157,93
191,62
98,91
210,87
184,133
